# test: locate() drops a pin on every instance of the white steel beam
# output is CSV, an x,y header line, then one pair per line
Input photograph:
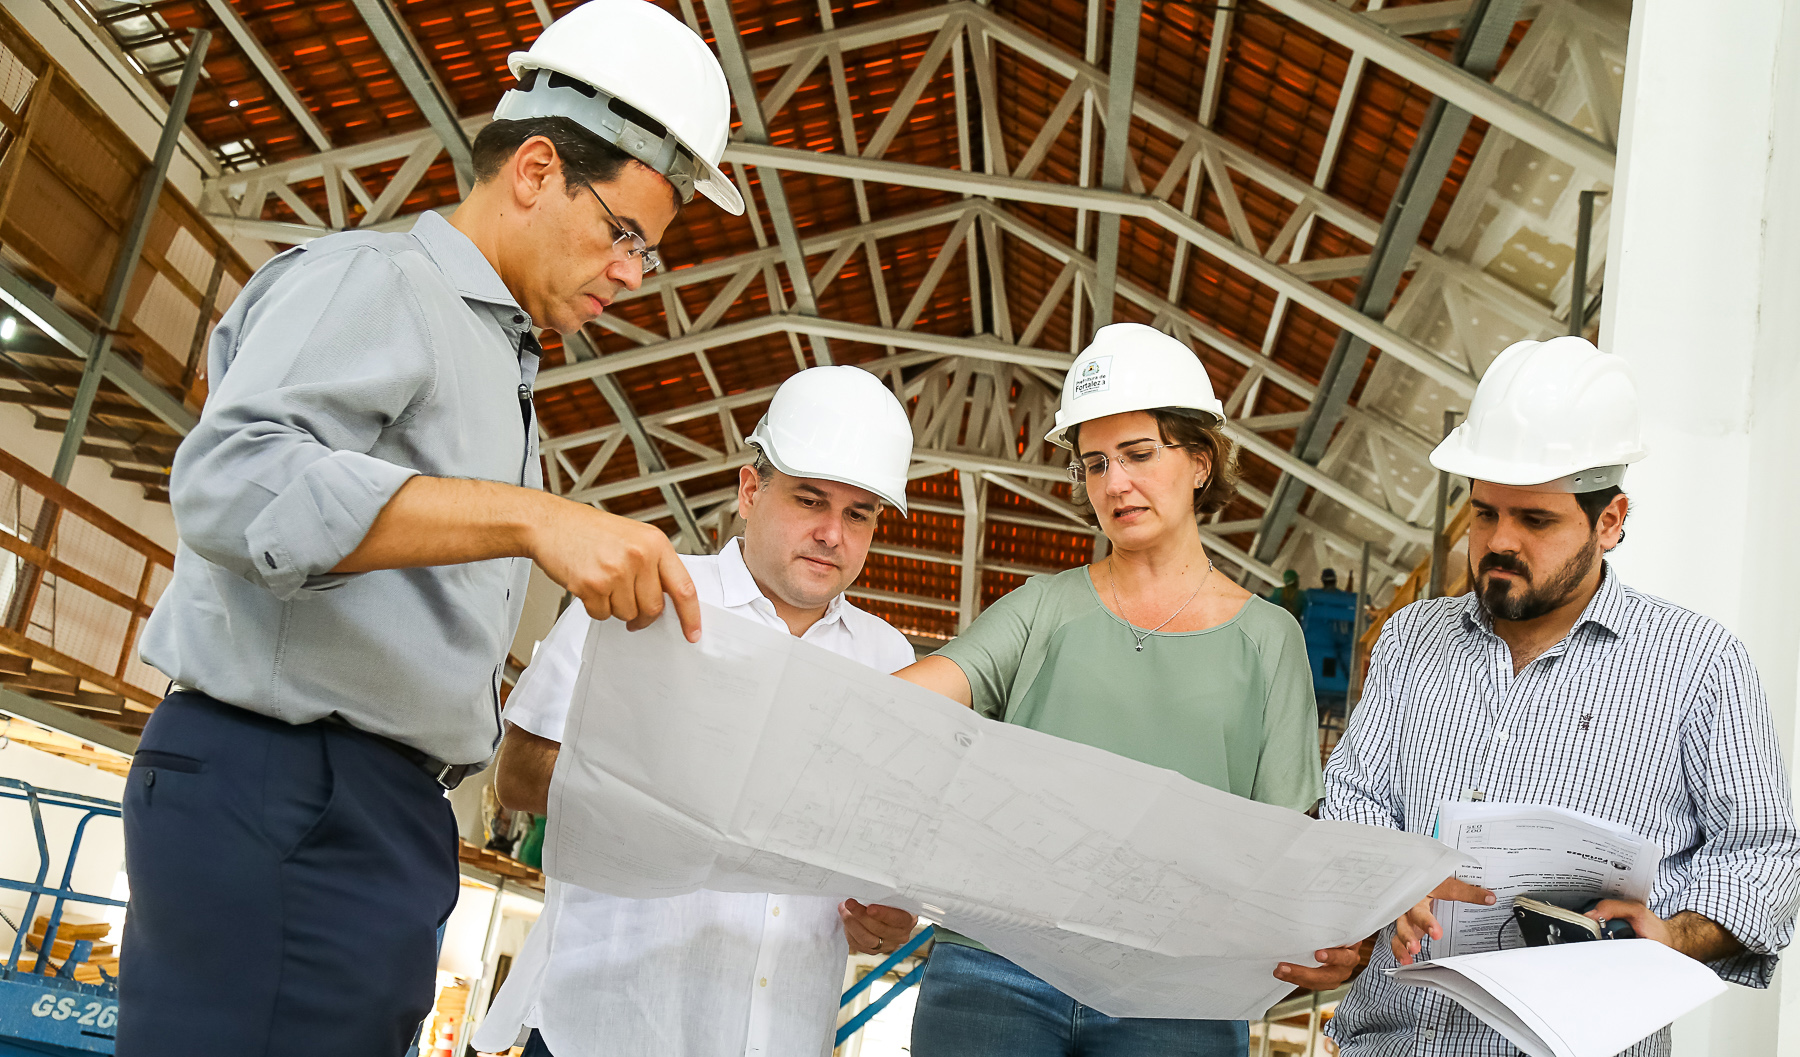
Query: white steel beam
x,y
754,129
46,315
974,535
1248,261
1216,47
1453,84
100,43
904,599
415,72
646,449
1115,157
979,348
271,73
1309,199
1327,484
1224,549
352,156
934,458
1435,16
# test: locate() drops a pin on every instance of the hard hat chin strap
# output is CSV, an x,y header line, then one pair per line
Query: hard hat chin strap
x,y
546,93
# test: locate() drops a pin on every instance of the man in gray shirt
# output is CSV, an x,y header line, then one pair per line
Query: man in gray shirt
x,y
359,509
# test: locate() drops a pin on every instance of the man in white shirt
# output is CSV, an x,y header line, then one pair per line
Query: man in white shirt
x,y
715,974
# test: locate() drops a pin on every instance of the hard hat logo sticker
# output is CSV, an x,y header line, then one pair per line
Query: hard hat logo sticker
x,y
1096,376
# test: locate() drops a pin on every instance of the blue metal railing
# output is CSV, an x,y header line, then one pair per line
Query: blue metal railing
x,y
855,1024
91,807
49,1012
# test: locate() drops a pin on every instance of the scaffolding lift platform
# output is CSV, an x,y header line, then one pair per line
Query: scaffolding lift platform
x,y
44,1010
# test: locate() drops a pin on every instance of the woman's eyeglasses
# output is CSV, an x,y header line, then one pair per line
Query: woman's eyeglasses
x,y
1130,460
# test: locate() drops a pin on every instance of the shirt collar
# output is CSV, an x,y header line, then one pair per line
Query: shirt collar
x,y
463,263
1606,610
738,588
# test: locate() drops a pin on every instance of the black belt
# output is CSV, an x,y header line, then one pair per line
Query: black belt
x,y
448,775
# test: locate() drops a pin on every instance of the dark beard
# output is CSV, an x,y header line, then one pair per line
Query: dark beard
x,y
1501,602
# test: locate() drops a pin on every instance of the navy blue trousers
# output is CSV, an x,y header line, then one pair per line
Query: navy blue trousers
x,y
287,884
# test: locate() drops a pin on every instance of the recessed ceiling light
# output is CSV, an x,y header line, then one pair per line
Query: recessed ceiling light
x,y
234,102
8,327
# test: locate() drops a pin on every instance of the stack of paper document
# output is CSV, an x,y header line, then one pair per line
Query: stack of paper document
x,y
1548,853
755,762
1590,999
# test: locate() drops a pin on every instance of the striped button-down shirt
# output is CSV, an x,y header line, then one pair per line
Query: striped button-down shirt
x,y
1646,714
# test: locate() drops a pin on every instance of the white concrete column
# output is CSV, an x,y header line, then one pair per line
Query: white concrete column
x,y
1703,296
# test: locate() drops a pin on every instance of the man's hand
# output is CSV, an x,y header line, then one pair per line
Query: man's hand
x,y
618,567
1419,922
876,929
1694,935
1336,965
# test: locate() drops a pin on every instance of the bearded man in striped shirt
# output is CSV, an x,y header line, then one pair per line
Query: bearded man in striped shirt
x,y
1554,683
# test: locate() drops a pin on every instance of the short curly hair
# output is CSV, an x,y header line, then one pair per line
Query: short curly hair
x,y
1182,428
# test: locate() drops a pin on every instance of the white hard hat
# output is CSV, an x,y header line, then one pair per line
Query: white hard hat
x,y
839,424
1131,367
1557,414
634,75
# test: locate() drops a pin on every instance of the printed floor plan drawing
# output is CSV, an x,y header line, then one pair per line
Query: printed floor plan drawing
x,y
755,762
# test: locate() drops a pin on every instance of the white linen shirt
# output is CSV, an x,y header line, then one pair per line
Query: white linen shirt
x,y
709,974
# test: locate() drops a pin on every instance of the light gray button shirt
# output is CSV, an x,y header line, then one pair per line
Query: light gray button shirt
x,y
345,367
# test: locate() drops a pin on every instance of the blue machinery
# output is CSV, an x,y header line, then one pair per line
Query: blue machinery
x,y
44,1013
855,1024
1328,625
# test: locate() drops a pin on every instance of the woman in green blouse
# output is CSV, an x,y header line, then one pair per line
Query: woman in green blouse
x,y
1150,654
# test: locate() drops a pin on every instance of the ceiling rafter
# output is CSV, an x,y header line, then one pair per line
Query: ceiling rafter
x,y
1237,217
422,83
754,129
1453,84
271,74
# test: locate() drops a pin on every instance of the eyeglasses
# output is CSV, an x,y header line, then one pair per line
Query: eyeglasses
x,y
646,256
1130,460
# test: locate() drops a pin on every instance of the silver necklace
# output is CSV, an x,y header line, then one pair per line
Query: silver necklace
x,y
1113,575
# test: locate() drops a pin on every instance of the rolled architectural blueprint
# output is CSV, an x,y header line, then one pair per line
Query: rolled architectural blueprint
x,y
755,762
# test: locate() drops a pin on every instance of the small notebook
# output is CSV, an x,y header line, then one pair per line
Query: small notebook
x,y
1575,999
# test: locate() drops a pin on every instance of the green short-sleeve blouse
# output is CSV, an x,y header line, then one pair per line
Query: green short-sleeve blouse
x,y
1231,706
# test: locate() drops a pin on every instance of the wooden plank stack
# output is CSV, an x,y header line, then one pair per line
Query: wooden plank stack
x,y
104,955
495,863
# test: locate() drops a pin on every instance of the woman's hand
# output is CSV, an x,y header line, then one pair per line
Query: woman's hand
x,y
940,675
875,929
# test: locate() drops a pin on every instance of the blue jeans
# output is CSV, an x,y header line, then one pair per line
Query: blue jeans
x,y
973,1003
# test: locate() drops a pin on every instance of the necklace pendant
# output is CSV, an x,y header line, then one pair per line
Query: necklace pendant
x,y
1140,647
